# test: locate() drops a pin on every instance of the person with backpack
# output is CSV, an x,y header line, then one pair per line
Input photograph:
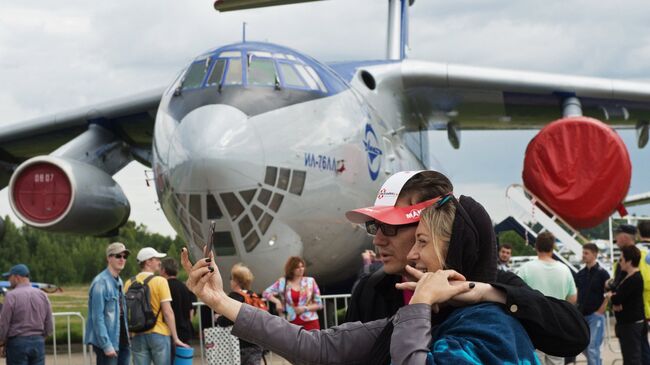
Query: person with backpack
x,y
106,328
241,279
149,312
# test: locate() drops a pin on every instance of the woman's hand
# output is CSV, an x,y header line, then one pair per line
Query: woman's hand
x,y
482,292
300,310
278,305
434,288
204,280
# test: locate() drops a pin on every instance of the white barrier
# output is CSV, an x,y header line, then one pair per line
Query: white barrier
x,y
68,315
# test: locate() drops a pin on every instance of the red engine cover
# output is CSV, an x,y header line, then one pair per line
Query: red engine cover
x,y
580,168
42,192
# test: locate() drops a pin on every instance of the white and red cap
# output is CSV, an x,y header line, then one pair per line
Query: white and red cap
x,y
385,210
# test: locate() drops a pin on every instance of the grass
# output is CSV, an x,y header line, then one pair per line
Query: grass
x,y
71,299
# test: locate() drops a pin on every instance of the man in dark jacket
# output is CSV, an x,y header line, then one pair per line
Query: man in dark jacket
x,y
553,325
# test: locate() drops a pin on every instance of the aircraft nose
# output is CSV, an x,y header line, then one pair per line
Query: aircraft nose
x,y
215,147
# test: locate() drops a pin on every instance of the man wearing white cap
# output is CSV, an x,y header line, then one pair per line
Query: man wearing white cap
x,y
154,344
554,326
106,329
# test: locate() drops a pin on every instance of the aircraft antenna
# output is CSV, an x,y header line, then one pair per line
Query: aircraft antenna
x,y
243,36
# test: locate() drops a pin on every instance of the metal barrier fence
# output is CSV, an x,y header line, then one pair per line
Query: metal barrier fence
x,y
68,315
608,339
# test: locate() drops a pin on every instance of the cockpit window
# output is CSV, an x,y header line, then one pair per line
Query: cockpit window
x,y
307,77
195,75
235,54
253,68
234,73
291,77
217,72
314,75
261,72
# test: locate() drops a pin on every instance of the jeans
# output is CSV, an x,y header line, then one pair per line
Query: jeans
x,y
150,347
596,330
26,350
123,356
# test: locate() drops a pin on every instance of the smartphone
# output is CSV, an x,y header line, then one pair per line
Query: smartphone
x,y
208,247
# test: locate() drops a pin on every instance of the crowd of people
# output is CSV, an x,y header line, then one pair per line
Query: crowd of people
x,y
436,289
592,289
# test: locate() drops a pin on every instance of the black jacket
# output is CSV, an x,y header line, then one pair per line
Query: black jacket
x,y
554,326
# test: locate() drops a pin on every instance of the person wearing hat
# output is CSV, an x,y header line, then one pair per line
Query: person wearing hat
x,y
393,221
450,249
25,319
625,236
106,328
154,345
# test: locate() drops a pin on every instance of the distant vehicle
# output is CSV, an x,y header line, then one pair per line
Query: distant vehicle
x,y
48,288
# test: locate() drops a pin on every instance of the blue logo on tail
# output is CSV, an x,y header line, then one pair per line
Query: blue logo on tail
x,y
371,145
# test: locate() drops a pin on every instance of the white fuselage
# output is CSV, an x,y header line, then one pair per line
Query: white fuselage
x,y
217,150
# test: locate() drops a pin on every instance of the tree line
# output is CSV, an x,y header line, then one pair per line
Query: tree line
x,y
63,259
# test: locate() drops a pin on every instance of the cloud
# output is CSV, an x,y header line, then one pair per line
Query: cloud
x,y
69,53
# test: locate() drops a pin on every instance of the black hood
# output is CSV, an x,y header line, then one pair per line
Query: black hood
x,y
472,248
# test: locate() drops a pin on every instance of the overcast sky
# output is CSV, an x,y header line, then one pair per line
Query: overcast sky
x,y
64,54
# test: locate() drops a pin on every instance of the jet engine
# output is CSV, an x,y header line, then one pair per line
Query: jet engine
x,y
63,195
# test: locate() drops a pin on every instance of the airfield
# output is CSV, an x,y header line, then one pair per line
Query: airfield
x,y
73,299
486,163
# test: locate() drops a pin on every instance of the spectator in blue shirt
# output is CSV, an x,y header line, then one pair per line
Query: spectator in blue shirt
x,y
106,329
591,302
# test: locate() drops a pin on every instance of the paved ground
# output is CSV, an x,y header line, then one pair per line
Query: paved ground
x,y
76,358
609,357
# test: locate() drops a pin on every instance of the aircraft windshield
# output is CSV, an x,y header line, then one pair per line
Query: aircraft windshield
x,y
291,77
195,75
234,72
217,72
261,71
253,69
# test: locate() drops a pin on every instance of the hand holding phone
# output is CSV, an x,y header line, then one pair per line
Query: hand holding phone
x,y
208,247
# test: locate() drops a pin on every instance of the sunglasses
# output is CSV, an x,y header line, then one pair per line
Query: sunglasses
x,y
389,230
121,256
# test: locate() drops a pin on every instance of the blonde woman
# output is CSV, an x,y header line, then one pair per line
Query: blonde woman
x,y
241,279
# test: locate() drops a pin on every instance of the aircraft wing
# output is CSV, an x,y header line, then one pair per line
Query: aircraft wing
x,y
48,288
131,119
637,199
230,5
434,94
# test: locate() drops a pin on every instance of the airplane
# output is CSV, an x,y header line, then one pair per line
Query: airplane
x,y
274,146
5,286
